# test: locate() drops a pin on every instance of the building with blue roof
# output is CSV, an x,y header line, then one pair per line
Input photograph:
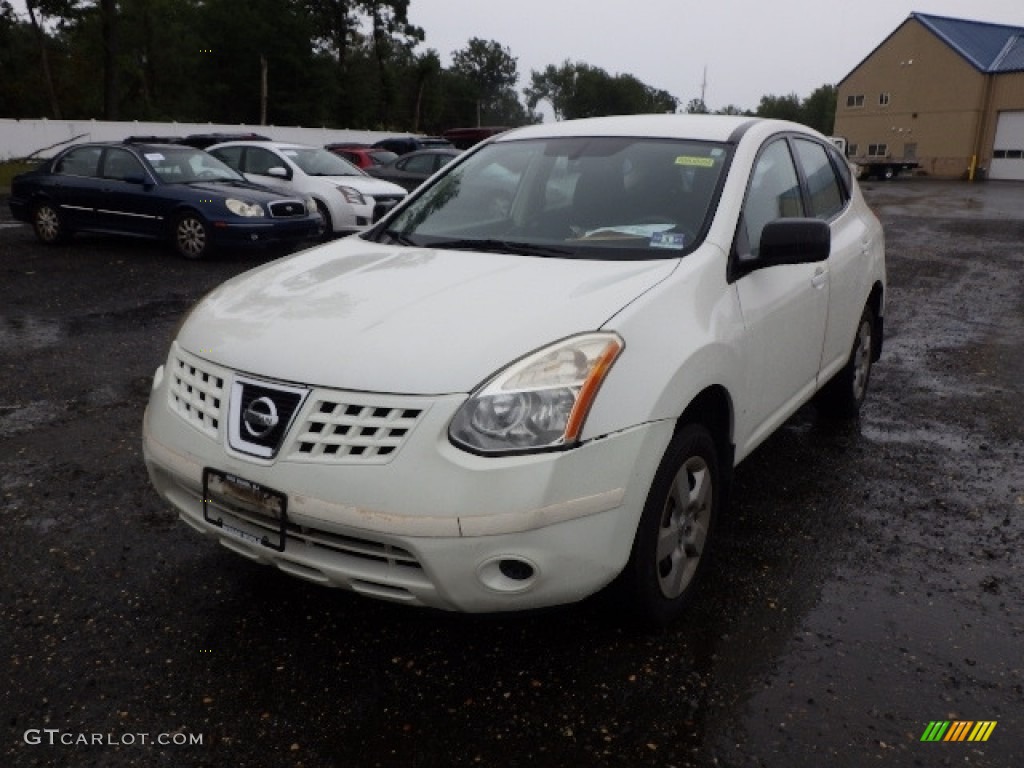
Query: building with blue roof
x,y
945,93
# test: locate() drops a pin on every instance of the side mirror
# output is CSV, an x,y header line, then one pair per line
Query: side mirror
x,y
278,172
794,241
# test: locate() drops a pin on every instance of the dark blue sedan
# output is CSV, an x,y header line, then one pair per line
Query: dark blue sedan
x,y
165,192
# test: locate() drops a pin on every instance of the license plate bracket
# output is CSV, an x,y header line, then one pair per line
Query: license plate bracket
x,y
250,502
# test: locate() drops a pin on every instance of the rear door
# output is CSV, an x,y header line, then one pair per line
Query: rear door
x,y
75,187
828,198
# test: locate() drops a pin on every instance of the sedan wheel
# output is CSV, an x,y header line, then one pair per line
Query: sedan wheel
x,y
844,395
326,230
48,225
190,236
671,545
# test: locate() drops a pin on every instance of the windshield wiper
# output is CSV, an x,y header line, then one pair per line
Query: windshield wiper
x,y
400,238
500,246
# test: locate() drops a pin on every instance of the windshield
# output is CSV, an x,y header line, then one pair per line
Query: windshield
x,y
173,165
601,197
320,162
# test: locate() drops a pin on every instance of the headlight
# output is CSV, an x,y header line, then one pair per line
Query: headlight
x,y
539,402
242,208
352,196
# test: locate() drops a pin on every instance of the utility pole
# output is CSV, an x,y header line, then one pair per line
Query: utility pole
x,y
263,90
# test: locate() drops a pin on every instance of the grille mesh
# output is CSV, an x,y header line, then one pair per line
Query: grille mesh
x,y
335,431
286,209
196,394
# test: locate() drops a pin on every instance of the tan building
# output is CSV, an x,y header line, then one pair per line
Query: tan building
x,y
945,93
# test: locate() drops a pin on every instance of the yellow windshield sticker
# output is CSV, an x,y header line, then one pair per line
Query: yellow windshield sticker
x,y
698,162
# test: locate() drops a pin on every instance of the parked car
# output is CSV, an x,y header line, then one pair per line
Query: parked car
x,y
464,138
362,157
197,140
348,199
411,170
403,145
162,191
513,410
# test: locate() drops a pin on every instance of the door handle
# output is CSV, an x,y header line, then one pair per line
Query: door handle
x,y
820,278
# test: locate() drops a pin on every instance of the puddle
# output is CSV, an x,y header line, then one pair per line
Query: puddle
x,y
22,418
28,333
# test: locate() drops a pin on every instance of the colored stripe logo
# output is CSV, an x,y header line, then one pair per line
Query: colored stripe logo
x,y
958,730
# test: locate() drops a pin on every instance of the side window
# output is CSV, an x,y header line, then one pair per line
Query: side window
x,y
842,166
230,156
419,164
122,165
259,161
774,193
84,161
826,197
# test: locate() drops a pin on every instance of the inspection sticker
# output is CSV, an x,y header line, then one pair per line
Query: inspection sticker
x,y
698,162
154,156
673,240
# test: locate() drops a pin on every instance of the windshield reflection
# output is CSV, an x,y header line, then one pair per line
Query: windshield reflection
x,y
598,197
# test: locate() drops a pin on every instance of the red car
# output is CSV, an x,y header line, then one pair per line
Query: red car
x,y
362,157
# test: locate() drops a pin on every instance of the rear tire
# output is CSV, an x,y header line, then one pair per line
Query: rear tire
x,y
670,551
48,224
844,395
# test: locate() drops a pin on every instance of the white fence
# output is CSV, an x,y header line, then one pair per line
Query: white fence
x,y
43,138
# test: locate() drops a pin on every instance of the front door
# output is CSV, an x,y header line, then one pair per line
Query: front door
x,y
784,307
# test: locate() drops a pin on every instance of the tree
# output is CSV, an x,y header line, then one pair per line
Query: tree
x,y
491,73
780,107
697,107
819,109
38,12
580,90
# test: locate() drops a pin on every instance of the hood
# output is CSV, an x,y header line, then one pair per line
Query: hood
x,y
367,185
245,190
363,316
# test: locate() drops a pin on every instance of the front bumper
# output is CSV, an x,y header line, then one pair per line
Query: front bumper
x,y
259,233
429,525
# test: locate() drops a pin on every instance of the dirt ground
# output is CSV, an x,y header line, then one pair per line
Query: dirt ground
x,y
867,581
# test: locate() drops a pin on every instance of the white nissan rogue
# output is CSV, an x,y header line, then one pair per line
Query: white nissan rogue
x,y
535,375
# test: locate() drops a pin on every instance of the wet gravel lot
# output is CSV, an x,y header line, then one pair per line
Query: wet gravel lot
x,y
868,578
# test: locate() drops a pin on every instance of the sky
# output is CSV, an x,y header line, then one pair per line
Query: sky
x,y
749,48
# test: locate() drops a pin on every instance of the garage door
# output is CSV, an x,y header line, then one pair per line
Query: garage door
x,y
1008,152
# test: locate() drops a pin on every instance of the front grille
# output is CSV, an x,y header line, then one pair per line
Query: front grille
x,y
285,209
261,415
196,393
347,429
363,549
385,203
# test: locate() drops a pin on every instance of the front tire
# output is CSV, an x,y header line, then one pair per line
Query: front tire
x,y
191,237
670,551
843,396
326,231
48,224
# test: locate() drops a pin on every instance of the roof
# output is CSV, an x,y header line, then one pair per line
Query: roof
x,y
990,48
670,126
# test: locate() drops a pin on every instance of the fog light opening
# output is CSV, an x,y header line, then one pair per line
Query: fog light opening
x,y
516,570
509,574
